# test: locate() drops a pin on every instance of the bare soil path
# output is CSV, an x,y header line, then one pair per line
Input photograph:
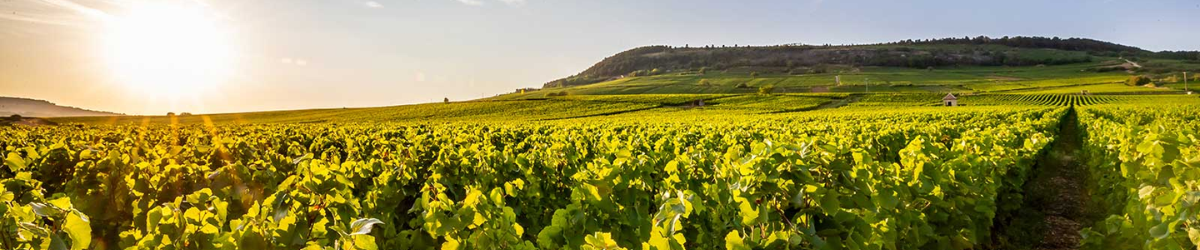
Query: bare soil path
x,y
1056,198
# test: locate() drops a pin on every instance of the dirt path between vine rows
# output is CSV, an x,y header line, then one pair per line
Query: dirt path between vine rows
x,y
1056,198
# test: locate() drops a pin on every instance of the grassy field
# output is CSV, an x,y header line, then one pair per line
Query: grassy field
x,y
516,111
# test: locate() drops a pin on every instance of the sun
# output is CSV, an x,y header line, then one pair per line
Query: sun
x,y
168,48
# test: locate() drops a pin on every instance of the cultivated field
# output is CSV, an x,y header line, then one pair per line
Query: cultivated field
x,y
805,171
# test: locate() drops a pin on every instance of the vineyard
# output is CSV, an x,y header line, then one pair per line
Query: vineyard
x,y
600,172
1146,160
892,100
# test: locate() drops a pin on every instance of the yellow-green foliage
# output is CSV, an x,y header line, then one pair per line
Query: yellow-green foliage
x,y
591,172
653,182
1145,159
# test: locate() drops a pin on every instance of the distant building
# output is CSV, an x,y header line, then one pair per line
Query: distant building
x,y
950,100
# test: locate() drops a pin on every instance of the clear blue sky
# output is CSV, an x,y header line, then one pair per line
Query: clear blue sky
x,y
351,53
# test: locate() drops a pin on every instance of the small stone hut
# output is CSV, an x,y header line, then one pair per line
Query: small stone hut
x,y
950,100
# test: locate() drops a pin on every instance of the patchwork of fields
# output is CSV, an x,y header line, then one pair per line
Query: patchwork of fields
x,y
1055,79
668,171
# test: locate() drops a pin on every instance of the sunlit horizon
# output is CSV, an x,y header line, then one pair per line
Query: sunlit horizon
x,y
173,50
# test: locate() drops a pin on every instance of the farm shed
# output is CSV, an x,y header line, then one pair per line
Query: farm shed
x,y
950,100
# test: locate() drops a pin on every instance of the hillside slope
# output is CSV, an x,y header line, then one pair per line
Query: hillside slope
x,y
40,108
918,54
1105,75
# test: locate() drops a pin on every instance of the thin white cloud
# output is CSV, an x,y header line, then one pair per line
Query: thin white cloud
x,y
43,20
513,2
79,13
78,8
374,4
54,12
293,61
471,2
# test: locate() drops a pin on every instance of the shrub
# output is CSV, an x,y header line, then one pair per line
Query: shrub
x,y
1137,81
1105,69
818,69
766,90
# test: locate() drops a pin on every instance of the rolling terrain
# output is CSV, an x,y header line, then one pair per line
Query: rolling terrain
x,y
38,108
1092,145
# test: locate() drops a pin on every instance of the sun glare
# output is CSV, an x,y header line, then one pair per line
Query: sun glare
x,y
168,48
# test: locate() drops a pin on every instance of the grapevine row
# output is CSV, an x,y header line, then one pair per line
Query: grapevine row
x,y
1145,160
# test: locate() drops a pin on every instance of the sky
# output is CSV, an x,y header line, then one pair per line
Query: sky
x,y
254,55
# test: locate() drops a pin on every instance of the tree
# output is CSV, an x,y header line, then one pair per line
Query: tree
x,y
446,100
1137,81
15,117
170,113
766,90
703,70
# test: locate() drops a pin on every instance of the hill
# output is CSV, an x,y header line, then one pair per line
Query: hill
x,y
816,59
1103,75
40,108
